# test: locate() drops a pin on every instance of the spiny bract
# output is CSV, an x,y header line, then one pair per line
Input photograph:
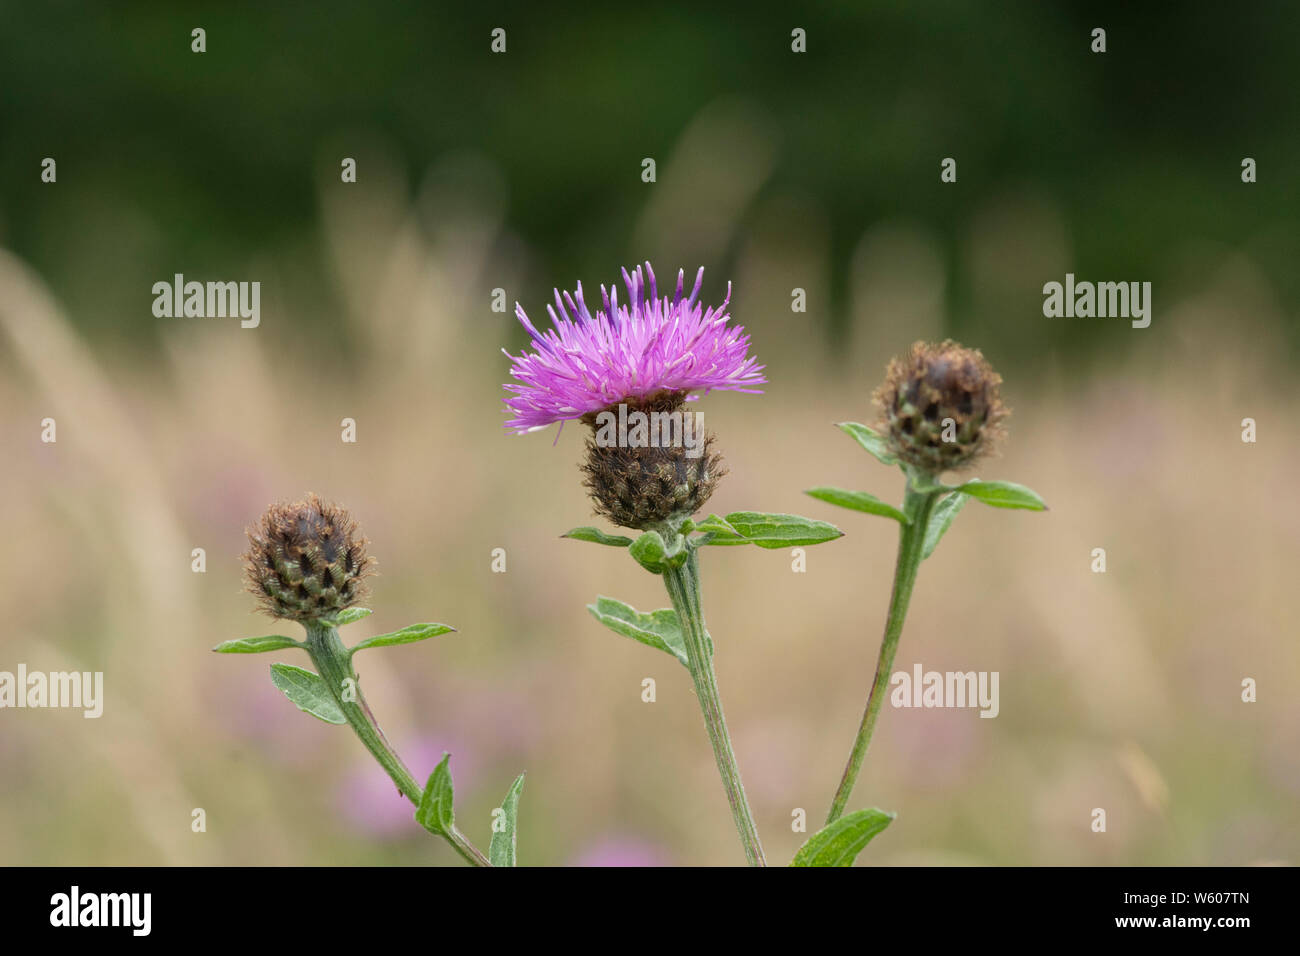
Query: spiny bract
x,y
644,487
941,407
306,561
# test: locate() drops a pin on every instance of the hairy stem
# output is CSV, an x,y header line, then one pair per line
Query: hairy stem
x,y
334,665
684,589
918,506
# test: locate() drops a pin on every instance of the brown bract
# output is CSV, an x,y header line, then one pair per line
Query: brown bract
x,y
941,406
307,561
644,487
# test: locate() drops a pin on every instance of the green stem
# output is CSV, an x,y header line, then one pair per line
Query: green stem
x,y
334,664
918,506
683,585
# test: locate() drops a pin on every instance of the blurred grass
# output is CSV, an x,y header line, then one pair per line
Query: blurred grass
x,y
1118,691
191,160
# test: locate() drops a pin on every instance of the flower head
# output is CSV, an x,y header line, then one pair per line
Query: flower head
x,y
941,407
631,351
306,561
644,486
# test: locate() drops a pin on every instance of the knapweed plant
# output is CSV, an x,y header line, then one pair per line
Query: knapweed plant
x,y
307,562
941,411
627,371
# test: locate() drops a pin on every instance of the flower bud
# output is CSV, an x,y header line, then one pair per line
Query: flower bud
x,y
646,486
941,406
306,561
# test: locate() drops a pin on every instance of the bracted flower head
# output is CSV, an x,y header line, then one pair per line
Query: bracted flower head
x,y
643,487
650,356
307,561
941,407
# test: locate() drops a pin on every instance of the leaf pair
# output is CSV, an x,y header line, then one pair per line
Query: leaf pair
x,y
275,642
436,813
738,528
999,494
307,689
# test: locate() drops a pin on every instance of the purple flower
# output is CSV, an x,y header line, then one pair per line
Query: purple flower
x,y
587,363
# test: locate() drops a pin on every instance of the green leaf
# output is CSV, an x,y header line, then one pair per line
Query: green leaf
x,y
839,843
942,516
655,556
1003,494
870,439
858,501
407,635
781,531
501,851
659,629
718,532
435,811
350,615
308,691
596,536
256,645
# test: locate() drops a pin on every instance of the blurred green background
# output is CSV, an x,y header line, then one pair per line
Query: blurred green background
x,y
775,171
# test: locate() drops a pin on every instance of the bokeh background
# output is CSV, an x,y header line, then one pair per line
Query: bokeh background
x,y
775,171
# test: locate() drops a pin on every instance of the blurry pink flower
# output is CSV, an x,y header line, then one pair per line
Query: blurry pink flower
x,y
371,804
621,851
